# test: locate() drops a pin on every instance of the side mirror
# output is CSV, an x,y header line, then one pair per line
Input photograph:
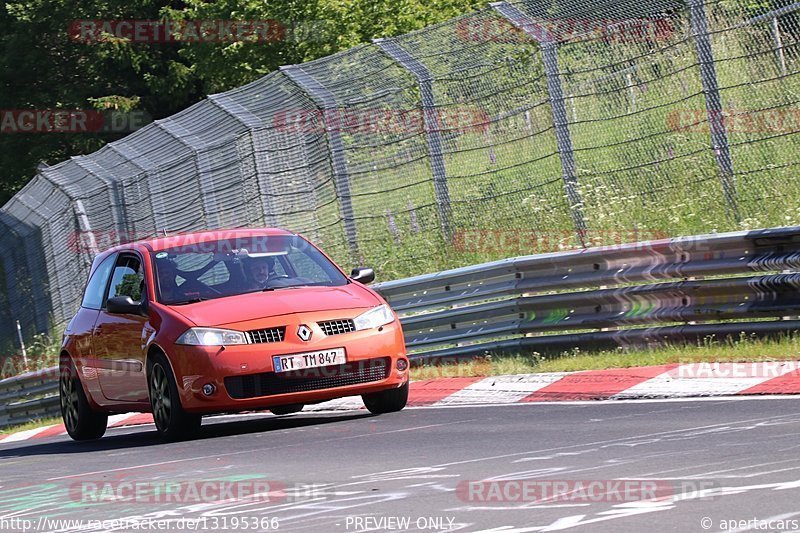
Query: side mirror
x,y
123,305
363,275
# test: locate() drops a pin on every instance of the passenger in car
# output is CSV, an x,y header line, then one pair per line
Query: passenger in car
x,y
167,282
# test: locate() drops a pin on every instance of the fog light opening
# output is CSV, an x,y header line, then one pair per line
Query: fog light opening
x,y
209,389
402,364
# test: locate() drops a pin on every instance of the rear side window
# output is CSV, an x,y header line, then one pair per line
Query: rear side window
x,y
93,297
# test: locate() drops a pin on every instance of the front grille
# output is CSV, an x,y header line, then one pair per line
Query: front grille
x,y
337,327
258,336
309,379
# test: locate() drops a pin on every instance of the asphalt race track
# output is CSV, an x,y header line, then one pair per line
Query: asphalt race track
x,y
712,462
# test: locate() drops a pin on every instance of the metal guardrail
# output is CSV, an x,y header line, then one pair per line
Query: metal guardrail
x,y
598,296
680,289
29,396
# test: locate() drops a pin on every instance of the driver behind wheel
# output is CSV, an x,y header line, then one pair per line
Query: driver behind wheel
x,y
259,271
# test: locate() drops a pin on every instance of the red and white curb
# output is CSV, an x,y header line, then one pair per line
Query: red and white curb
x,y
664,381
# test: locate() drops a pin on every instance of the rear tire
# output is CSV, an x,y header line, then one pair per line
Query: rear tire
x,y
388,401
81,421
172,422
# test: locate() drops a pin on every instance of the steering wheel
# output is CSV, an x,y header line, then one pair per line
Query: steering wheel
x,y
273,275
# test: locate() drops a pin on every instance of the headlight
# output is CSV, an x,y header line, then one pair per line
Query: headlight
x,y
374,318
211,337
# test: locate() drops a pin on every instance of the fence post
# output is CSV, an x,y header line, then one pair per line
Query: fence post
x,y
326,101
549,46
708,74
85,227
432,126
776,36
22,346
631,90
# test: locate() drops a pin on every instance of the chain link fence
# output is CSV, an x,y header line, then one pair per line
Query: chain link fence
x,y
525,127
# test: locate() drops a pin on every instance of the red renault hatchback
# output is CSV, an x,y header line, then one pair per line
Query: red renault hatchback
x,y
225,321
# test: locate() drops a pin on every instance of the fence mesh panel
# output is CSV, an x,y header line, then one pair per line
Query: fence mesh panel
x,y
759,78
523,127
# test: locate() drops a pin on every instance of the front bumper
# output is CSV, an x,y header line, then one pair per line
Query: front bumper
x,y
243,376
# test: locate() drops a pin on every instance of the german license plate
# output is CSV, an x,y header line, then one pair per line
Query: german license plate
x,y
298,361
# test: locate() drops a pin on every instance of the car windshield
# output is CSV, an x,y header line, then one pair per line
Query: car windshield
x,y
201,271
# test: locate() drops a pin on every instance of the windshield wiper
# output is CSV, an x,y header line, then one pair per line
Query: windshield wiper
x,y
269,289
192,301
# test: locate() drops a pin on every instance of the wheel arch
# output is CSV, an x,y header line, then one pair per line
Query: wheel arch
x,y
155,348
65,356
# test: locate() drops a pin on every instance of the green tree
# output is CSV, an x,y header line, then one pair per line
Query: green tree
x,y
42,68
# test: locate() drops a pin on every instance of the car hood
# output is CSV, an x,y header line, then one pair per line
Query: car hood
x,y
252,306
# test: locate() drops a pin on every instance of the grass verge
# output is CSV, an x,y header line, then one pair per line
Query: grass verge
x,y
33,424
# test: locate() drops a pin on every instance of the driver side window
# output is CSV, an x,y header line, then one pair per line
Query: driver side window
x,y
127,279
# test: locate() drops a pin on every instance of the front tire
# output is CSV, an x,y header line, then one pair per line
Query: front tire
x,y
172,422
81,421
388,401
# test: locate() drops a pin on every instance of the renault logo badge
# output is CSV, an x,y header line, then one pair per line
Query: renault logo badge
x,y
304,332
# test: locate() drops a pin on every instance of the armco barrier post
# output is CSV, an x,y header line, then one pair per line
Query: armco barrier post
x,y
432,124
549,46
326,101
716,120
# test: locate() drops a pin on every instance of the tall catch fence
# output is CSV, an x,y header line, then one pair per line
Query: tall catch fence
x,y
524,127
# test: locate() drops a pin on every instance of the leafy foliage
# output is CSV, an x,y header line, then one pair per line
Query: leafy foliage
x,y
44,69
